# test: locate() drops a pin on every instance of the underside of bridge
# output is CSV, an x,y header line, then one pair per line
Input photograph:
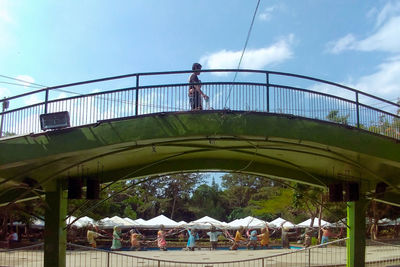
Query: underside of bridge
x,y
271,145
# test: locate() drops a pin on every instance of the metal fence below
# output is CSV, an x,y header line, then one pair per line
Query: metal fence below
x,y
330,254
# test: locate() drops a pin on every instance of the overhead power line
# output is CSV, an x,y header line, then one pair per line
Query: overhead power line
x,y
20,80
244,48
25,85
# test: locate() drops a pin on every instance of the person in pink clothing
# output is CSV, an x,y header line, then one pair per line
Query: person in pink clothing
x,y
161,242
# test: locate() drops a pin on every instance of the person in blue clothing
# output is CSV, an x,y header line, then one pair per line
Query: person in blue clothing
x,y
193,236
213,234
252,239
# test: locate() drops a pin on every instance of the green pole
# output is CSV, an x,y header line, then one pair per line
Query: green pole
x,y
356,233
55,237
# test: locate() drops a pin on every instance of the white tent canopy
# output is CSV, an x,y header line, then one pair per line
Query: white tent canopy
x,y
130,221
248,222
279,221
307,223
121,222
107,222
387,222
37,223
140,221
205,223
72,219
156,222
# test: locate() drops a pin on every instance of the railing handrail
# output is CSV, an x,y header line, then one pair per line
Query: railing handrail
x,y
205,71
204,83
205,262
253,94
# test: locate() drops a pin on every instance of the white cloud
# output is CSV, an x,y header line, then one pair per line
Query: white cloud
x,y
389,10
26,80
33,99
253,58
385,82
387,38
4,92
266,15
344,43
4,14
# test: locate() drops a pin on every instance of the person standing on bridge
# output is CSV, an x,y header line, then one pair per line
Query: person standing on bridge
x,y
195,92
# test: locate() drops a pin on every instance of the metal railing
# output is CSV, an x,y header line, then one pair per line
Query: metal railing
x,y
329,254
389,254
148,93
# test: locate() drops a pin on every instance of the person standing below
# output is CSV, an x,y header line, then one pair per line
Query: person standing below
x,y
307,237
12,238
213,234
116,242
264,237
326,233
238,238
285,237
195,92
252,239
91,236
193,236
161,242
135,240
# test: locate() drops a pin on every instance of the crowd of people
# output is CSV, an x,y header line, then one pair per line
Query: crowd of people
x,y
250,238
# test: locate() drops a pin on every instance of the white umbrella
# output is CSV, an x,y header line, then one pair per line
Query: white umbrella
x,y
160,220
307,223
278,222
37,223
205,223
248,222
140,221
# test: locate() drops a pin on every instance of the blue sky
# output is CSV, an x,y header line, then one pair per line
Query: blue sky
x,y
352,42
356,43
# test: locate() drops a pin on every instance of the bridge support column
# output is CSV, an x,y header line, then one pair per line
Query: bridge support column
x,y
55,237
356,233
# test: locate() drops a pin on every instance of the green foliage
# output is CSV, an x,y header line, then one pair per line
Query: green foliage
x,y
207,201
278,204
5,134
335,117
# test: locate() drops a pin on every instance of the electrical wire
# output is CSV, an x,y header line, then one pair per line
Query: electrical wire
x,y
18,84
33,85
244,48
20,80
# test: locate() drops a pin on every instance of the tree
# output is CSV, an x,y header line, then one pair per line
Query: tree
x,y
208,201
310,199
334,117
176,191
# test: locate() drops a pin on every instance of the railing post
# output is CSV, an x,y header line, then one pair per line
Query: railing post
x,y
5,105
108,259
309,257
137,95
358,111
46,100
267,78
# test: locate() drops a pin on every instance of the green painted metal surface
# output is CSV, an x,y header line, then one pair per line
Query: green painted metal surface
x,y
309,151
270,145
356,233
55,237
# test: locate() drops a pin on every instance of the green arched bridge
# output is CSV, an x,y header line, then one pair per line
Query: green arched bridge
x,y
271,124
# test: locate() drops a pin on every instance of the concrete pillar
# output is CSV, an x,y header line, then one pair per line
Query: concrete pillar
x,y
55,236
356,233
